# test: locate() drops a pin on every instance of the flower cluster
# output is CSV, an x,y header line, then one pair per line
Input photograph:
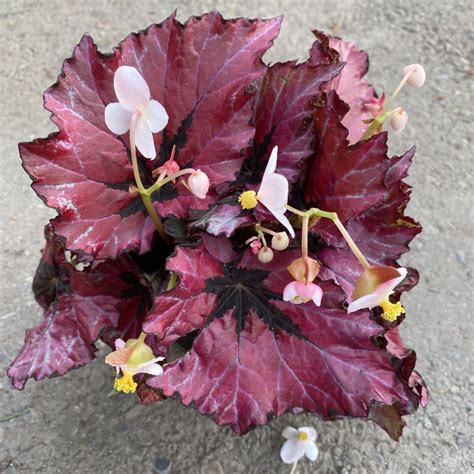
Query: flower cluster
x,y
414,75
246,211
375,284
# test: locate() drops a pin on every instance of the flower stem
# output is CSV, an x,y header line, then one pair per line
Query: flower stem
x,y
264,229
304,237
172,281
378,122
314,212
141,189
295,211
156,218
161,182
355,250
399,88
374,126
304,244
136,171
293,468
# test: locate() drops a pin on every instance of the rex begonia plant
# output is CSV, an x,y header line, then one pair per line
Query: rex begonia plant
x,y
246,212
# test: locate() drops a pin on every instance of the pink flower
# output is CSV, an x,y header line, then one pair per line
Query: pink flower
x,y
134,99
375,106
374,287
198,184
298,292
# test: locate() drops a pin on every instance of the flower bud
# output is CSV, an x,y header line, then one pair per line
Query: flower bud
x,y
304,269
375,106
265,254
417,76
280,241
398,120
198,184
255,245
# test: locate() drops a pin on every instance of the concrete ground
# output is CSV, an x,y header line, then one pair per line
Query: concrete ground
x,y
70,424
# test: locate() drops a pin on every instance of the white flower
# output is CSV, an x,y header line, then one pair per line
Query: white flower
x,y
299,442
133,97
273,192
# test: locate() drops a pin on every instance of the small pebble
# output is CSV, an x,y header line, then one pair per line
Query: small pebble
x,y
162,465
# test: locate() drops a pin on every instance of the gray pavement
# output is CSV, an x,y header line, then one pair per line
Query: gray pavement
x,y
70,424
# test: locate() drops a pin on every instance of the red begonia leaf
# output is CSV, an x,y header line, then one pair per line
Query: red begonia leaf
x,y
283,107
395,346
184,309
256,356
343,178
382,232
222,218
351,86
201,72
78,307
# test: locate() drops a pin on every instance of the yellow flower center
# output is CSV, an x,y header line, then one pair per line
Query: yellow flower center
x,y
303,436
248,199
391,310
297,299
125,383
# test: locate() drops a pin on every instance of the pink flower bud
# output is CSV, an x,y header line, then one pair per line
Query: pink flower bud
x,y
398,120
417,75
280,241
265,254
375,106
255,245
198,184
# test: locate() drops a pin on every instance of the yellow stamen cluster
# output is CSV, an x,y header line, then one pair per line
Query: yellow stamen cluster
x,y
125,383
248,199
391,311
303,436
